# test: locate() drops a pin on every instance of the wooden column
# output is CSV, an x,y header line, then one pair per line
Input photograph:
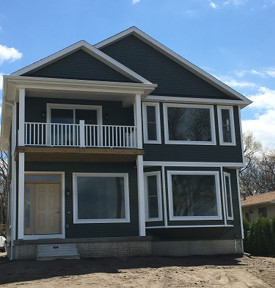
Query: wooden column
x,y
138,120
21,194
141,196
21,135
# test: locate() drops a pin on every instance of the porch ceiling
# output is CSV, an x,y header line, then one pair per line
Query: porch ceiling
x,y
73,154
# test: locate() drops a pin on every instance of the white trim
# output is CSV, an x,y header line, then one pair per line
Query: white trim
x,y
212,124
226,174
73,107
145,123
21,194
138,120
21,136
141,197
76,220
159,193
223,196
188,226
240,205
232,125
193,164
241,134
191,100
170,173
93,51
175,57
51,236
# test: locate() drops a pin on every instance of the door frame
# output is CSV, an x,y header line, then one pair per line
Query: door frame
x,y
62,199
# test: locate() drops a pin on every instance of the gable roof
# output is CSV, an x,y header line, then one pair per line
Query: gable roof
x,y
92,51
268,197
175,57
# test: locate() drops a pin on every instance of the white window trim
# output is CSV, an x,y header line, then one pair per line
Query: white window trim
x,y
50,236
51,106
232,125
145,130
225,174
170,195
212,124
146,175
110,220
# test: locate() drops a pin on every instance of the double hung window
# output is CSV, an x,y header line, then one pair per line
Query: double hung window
x,y
226,125
228,196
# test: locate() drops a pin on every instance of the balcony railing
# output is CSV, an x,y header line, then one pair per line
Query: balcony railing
x,y
80,135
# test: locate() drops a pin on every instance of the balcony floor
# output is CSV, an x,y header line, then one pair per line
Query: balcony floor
x,y
76,154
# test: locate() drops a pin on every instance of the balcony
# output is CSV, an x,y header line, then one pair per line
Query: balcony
x,y
79,142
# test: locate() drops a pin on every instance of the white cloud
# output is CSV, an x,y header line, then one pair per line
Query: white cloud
x,y
135,1
268,72
9,54
263,107
235,83
213,5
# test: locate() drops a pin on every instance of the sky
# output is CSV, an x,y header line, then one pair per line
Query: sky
x,y
233,40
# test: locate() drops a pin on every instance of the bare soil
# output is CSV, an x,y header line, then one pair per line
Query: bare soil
x,y
214,271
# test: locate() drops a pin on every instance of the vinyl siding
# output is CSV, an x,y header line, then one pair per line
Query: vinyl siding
x,y
98,229
79,65
172,78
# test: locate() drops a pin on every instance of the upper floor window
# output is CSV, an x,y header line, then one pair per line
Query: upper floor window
x,y
189,124
226,125
151,123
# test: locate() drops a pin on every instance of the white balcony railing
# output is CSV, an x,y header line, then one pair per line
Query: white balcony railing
x,y
80,135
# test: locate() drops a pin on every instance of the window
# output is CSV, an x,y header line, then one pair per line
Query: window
x,y
226,125
228,196
189,124
194,195
153,201
262,212
151,123
101,198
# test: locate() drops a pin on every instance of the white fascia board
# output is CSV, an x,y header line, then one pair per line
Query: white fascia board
x,y
183,99
175,57
92,51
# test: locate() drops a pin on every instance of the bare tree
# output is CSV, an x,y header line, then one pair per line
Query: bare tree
x,y
258,174
3,190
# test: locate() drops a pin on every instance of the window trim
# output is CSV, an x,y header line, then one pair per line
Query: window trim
x,y
73,107
226,174
212,124
76,220
158,125
170,173
159,194
232,125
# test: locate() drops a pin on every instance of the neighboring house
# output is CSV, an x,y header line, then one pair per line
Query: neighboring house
x,y
122,148
259,205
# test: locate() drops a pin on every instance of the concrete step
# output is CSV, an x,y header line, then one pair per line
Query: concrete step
x,y
56,251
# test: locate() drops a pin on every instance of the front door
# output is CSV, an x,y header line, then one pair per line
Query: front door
x,y
42,209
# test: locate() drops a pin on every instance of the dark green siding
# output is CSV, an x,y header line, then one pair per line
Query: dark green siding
x,y
172,78
113,113
79,65
98,229
196,153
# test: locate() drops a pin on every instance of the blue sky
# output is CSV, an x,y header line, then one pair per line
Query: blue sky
x,y
231,39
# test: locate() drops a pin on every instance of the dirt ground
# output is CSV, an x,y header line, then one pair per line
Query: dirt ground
x,y
218,271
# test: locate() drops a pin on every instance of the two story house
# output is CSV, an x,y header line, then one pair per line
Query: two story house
x,y
122,148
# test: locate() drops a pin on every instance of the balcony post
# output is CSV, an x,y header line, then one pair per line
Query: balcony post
x,y
138,120
141,196
21,194
21,136
82,133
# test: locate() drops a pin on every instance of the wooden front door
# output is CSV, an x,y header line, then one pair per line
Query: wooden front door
x,y
42,209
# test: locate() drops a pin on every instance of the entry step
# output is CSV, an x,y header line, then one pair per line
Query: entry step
x,y
56,251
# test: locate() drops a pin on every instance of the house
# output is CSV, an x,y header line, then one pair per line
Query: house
x,y
122,148
259,205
